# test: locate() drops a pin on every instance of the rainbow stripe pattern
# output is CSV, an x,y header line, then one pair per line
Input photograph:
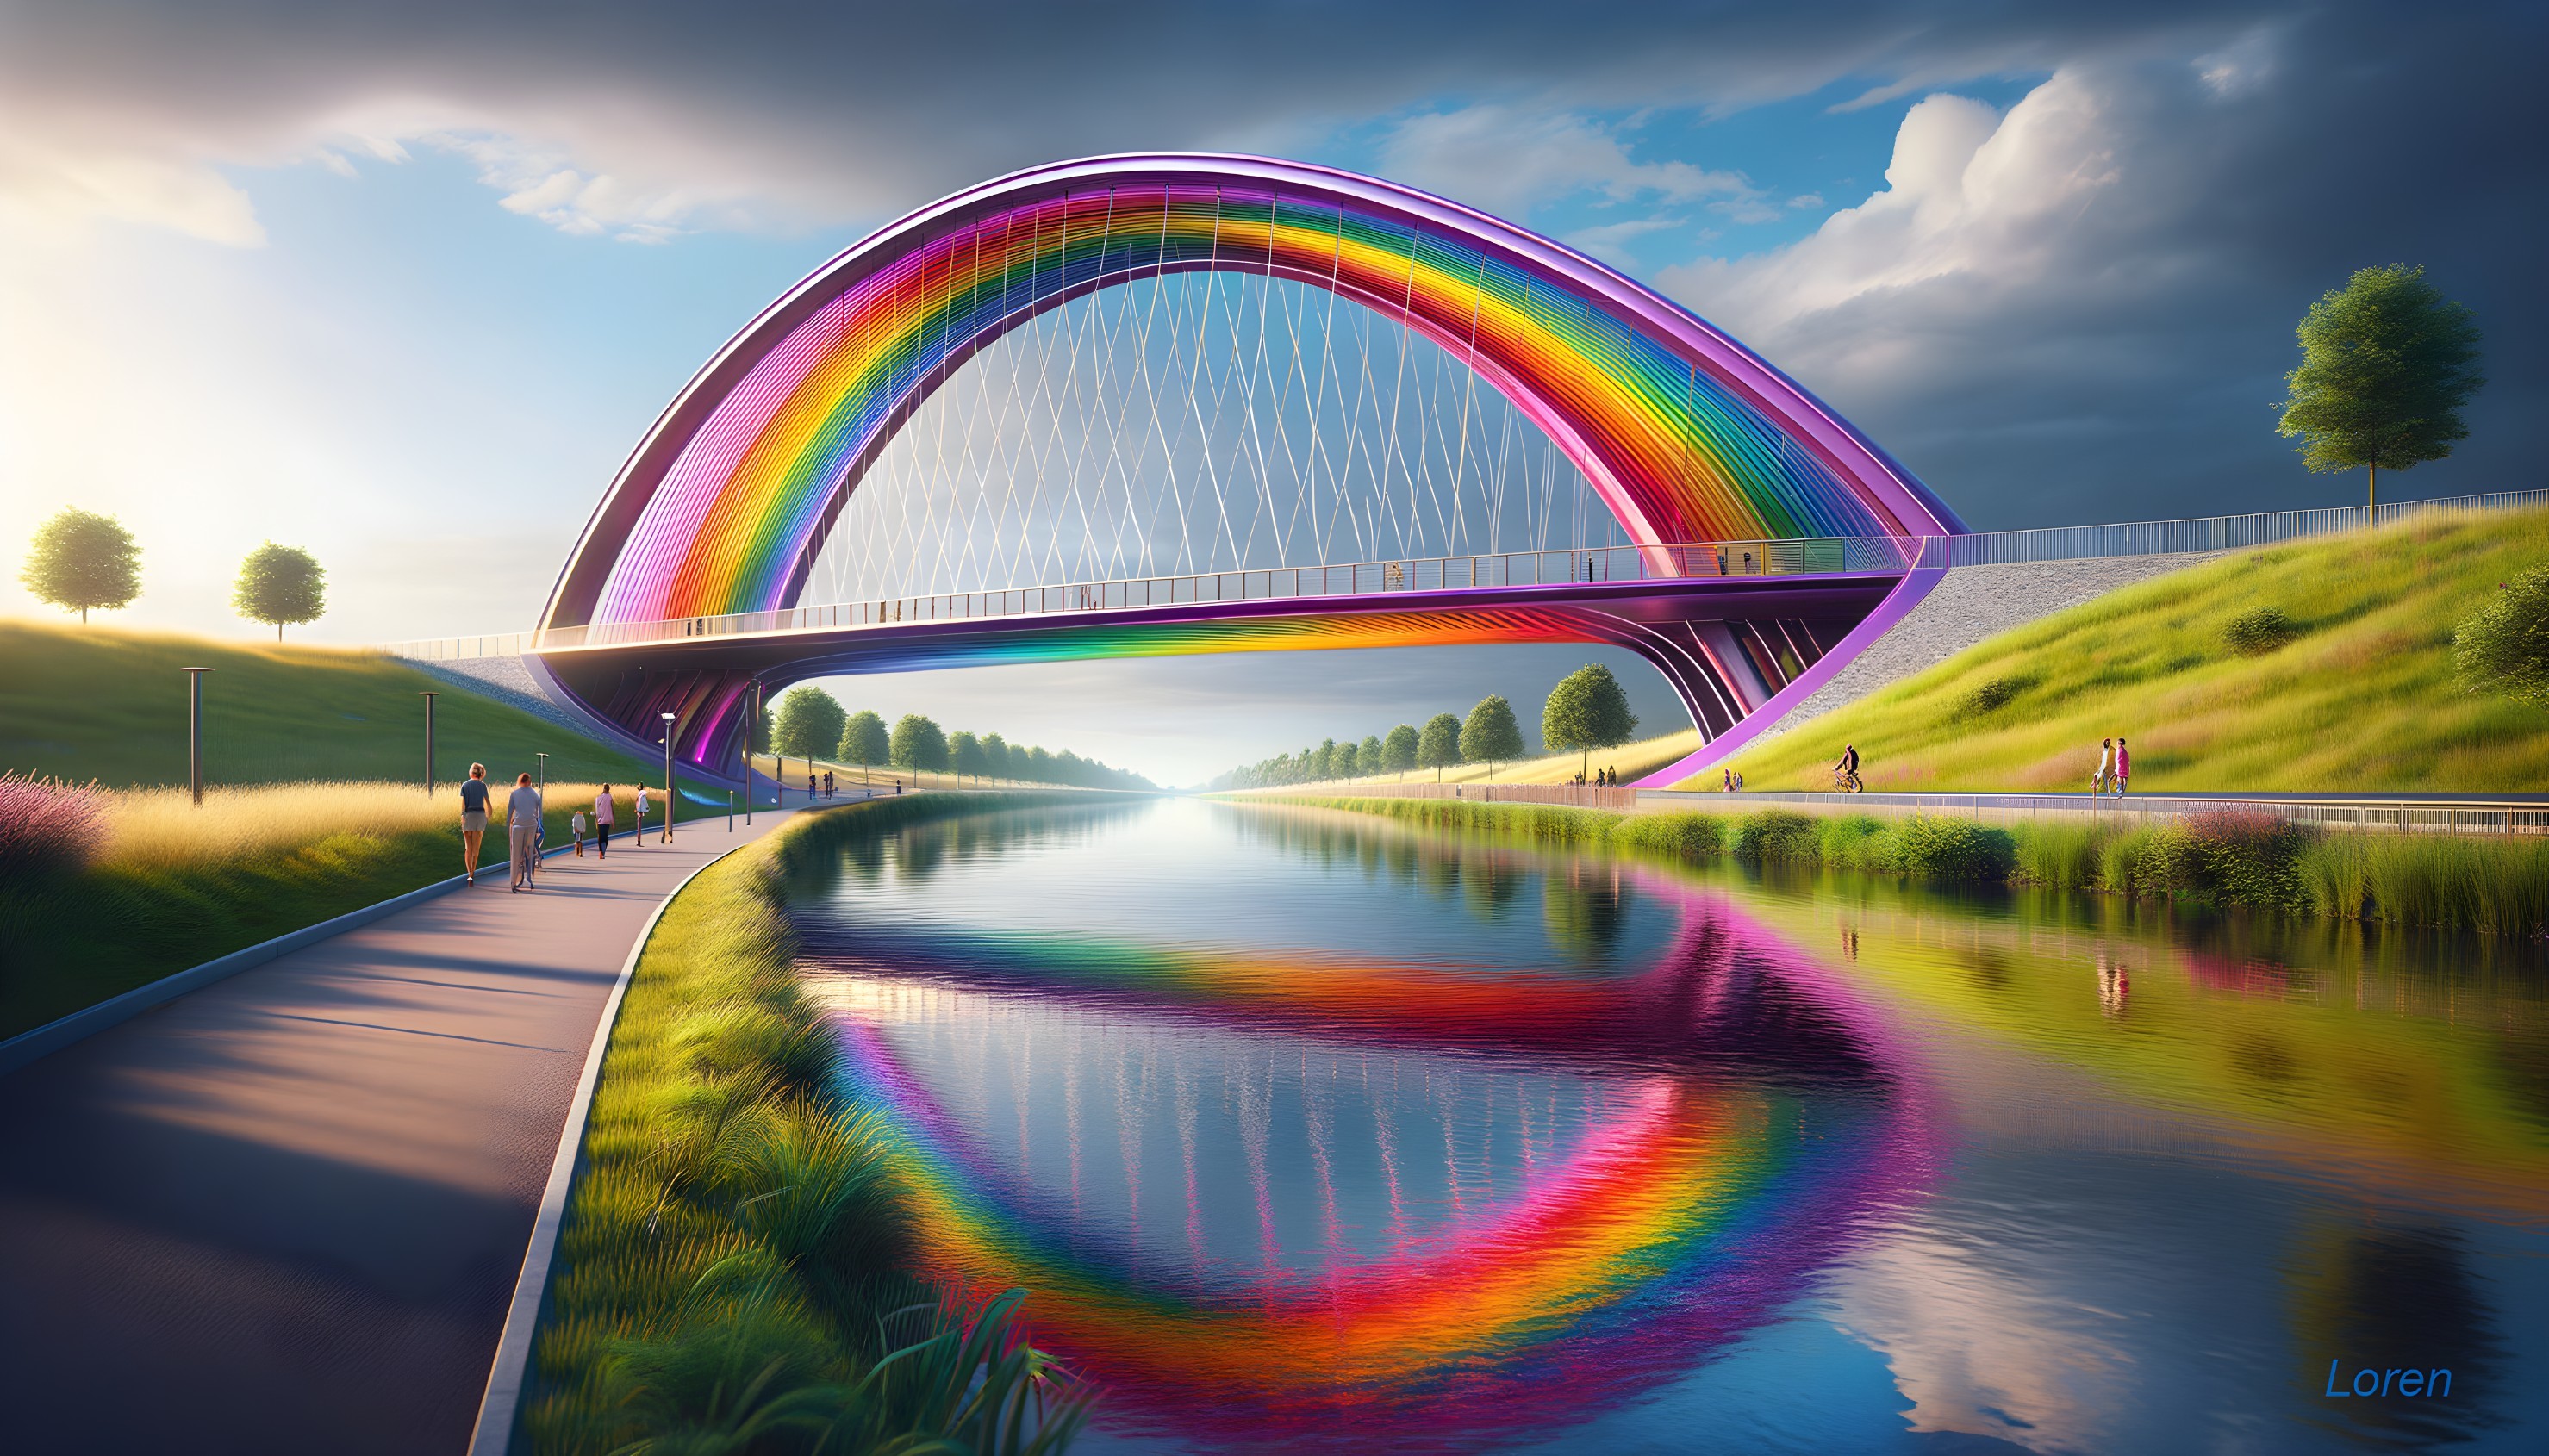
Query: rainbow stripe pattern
x,y
1697,1203
1686,434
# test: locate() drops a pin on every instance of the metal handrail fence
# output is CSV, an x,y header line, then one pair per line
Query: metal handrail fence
x,y
1577,795
2428,816
1686,560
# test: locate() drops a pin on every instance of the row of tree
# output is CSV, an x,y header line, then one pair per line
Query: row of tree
x,y
809,723
1586,711
84,561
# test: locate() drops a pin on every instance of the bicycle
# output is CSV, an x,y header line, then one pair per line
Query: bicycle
x,y
1846,780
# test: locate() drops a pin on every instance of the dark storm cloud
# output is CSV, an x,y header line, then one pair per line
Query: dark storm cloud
x,y
2103,330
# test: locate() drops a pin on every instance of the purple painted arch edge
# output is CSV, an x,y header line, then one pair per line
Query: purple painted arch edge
x,y
1866,467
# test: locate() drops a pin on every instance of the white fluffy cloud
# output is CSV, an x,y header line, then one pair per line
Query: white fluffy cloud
x,y
1508,159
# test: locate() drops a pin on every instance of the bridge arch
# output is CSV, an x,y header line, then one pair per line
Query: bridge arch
x,y
1684,435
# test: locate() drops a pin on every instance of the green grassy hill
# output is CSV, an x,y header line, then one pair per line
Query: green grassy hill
x,y
110,704
2363,699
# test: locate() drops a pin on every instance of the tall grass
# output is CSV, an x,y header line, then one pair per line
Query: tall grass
x,y
730,1277
2241,858
154,884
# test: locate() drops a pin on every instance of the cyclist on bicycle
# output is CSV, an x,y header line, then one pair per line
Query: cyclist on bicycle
x,y
1845,772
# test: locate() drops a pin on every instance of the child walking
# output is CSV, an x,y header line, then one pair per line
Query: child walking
x,y
576,825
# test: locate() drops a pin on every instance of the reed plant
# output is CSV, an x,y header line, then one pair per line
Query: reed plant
x,y
2499,885
731,1276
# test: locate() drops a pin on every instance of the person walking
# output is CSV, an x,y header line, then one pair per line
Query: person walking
x,y
2106,772
522,823
2123,767
473,819
576,827
641,815
603,808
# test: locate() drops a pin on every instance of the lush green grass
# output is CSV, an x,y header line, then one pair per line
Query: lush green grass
x,y
171,886
2354,690
730,1278
2234,858
104,703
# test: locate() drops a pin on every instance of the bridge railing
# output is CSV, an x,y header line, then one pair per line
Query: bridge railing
x,y
1680,562
1842,555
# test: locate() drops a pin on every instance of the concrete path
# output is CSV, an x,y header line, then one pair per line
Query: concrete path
x,y
285,1214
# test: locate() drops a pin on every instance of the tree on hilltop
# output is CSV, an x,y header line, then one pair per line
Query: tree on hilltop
x,y
809,723
1491,736
279,585
1586,711
1439,746
81,560
2386,363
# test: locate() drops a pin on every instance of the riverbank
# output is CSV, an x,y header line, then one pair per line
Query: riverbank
x,y
2234,858
732,1256
109,889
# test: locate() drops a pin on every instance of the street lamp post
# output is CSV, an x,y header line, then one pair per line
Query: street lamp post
x,y
195,730
428,741
668,779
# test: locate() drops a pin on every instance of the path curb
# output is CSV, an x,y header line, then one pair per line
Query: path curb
x,y
42,1042
499,1408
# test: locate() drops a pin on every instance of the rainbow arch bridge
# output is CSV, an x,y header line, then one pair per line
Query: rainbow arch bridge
x,y
1221,404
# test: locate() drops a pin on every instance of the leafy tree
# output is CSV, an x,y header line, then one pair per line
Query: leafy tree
x,y
2504,646
1439,746
863,740
996,756
918,744
1368,757
279,585
809,723
1039,765
761,731
1586,711
81,560
1398,751
2386,363
965,752
1325,755
1491,736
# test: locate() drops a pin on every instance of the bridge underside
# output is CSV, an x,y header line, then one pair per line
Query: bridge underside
x,y
1725,645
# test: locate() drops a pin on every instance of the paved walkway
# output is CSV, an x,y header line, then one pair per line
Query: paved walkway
x,y
285,1214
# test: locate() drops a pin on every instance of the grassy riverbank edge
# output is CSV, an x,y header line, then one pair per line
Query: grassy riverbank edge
x,y
729,1276
2497,886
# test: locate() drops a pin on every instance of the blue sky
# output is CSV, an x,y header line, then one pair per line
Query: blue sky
x,y
404,289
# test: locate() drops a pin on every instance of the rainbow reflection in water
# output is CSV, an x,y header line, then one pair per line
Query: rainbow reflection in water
x,y
1680,1149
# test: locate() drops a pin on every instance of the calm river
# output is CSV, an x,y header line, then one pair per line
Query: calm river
x,y
1309,1131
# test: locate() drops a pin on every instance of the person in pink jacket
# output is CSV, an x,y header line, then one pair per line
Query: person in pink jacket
x,y
2123,767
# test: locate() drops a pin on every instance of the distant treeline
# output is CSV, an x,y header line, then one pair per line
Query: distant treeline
x,y
809,723
1490,736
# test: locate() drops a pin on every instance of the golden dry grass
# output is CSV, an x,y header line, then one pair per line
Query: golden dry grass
x,y
162,827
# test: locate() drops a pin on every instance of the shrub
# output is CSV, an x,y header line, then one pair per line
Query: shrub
x,y
2260,631
1997,692
1940,847
1775,837
47,827
2504,646
2238,856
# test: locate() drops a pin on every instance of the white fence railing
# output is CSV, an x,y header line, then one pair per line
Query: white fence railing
x,y
1821,556
2431,816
